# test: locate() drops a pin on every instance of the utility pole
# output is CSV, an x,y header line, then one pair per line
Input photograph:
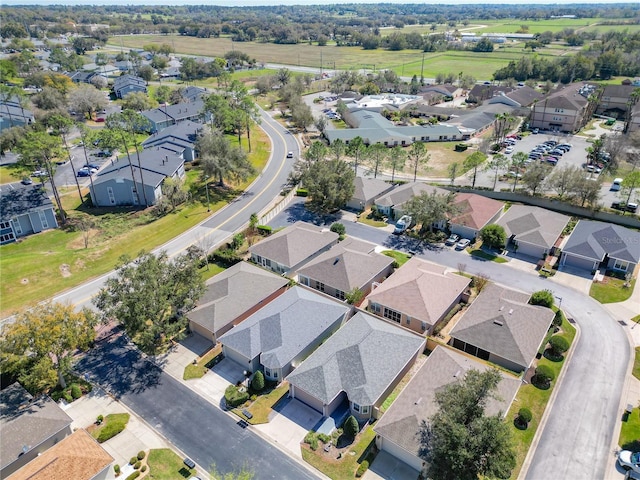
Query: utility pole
x,y
422,68
320,63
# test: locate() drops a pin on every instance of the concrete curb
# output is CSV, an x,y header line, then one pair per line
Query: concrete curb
x,y
547,411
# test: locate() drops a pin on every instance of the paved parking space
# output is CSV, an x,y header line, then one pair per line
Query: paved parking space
x,y
387,467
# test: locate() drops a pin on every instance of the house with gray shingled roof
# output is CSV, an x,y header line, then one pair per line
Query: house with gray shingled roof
x,y
231,296
167,115
533,230
28,427
501,327
398,431
24,209
126,84
391,203
179,139
593,245
360,364
351,264
367,190
286,250
281,334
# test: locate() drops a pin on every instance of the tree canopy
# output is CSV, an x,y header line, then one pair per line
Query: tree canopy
x,y
329,183
429,208
220,159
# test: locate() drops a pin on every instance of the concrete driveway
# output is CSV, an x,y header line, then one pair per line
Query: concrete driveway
x,y
289,424
387,467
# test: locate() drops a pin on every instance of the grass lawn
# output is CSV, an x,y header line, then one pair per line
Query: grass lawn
x,y
630,432
487,256
399,257
535,400
366,217
117,421
345,467
10,175
636,364
611,290
263,405
39,266
165,464
198,369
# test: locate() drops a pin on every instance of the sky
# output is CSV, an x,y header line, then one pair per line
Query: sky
x,y
240,3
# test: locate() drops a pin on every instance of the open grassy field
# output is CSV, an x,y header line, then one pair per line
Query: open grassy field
x,y
552,25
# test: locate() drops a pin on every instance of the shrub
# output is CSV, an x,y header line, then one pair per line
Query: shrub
x,y
494,236
99,419
258,381
544,375
543,298
67,396
525,415
559,345
557,320
141,454
338,228
133,460
264,229
324,438
312,440
75,391
234,397
134,475
362,468
226,256
351,427
144,468
116,469
137,465
110,430
253,397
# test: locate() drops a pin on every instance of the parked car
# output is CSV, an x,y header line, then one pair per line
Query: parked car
x,y
462,244
508,150
452,240
39,173
629,460
403,224
83,172
631,475
632,207
93,166
26,181
535,131
616,184
100,120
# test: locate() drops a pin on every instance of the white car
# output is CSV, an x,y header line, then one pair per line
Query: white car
x,y
402,224
508,150
629,460
289,154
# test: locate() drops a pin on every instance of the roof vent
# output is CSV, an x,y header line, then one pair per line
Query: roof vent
x,y
498,322
510,311
457,374
336,260
501,308
417,402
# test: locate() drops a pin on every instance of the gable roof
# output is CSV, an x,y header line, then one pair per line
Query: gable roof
x,y
420,289
176,112
501,321
17,199
233,292
151,159
183,134
369,188
525,96
416,403
349,264
594,240
124,80
533,225
475,210
294,244
78,456
362,359
403,193
285,327
483,92
26,421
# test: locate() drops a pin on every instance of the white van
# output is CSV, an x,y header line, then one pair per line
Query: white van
x,y
615,186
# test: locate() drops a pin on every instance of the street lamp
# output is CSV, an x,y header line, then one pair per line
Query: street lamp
x,y
206,186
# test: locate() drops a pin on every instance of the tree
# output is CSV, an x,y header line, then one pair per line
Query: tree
x,y
517,162
162,94
149,296
473,162
87,99
493,235
629,184
40,344
62,125
301,115
338,149
137,101
174,191
376,157
453,170
502,125
587,190
99,81
534,176
460,441
330,185
418,156
559,345
220,159
498,163
351,427
257,383
544,376
396,160
338,228
321,124
356,149
429,208
484,45
354,296
563,179
543,298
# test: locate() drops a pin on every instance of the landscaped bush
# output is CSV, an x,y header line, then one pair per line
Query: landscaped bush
x,y
362,468
133,460
264,229
99,419
543,298
67,396
557,320
137,465
134,475
351,427
544,376
324,438
144,468
110,430
226,257
116,469
141,454
312,440
338,228
76,392
525,415
559,345
234,397
258,381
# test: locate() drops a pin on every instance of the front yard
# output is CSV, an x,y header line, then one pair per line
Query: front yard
x,y
612,289
203,364
630,432
165,464
262,406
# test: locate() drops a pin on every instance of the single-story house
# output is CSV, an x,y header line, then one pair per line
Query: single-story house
x,y
166,115
418,295
444,89
279,336
367,191
82,76
78,456
193,93
231,296
285,251
179,139
123,183
28,427
390,204
501,327
374,128
592,245
126,84
24,209
534,231
398,431
474,213
360,364
348,266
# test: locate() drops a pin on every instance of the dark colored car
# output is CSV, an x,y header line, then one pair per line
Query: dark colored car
x,y
83,172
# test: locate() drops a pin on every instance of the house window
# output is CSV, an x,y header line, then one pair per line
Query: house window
x,y
356,407
559,110
112,197
267,262
392,315
408,320
364,409
319,286
275,374
6,238
423,325
304,280
16,226
340,294
445,137
267,372
374,307
403,142
43,219
621,265
4,225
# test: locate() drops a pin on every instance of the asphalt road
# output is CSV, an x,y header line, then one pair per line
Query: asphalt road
x,y
220,225
203,432
576,440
